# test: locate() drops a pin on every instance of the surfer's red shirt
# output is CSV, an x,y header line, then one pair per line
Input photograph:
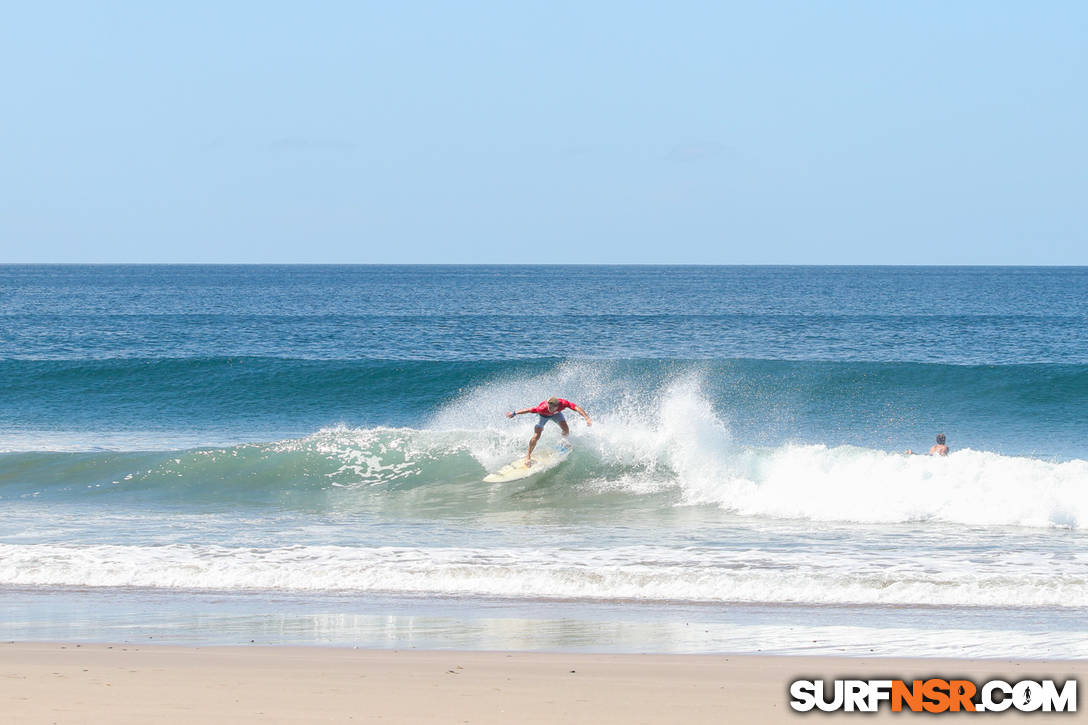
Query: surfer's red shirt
x,y
542,409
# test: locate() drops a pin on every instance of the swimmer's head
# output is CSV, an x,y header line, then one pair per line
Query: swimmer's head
x,y
940,439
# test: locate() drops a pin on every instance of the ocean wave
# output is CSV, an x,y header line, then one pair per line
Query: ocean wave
x,y
1015,408
640,573
687,458
665,434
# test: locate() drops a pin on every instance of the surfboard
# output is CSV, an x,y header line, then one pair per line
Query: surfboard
x,y
543,460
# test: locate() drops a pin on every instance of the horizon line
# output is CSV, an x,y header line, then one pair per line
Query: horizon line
x,y
529,264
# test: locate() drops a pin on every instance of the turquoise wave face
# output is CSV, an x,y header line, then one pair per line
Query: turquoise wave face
x,y
1039,410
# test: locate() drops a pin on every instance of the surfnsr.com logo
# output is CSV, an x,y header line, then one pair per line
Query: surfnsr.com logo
x,y
934,695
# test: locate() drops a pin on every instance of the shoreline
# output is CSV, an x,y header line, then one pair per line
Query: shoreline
x,y
61,682
353,620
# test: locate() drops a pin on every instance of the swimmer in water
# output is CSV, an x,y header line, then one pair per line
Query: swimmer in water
x,y
938,449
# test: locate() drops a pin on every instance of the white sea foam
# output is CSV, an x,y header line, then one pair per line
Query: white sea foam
x,y
621,573
674,437
853,484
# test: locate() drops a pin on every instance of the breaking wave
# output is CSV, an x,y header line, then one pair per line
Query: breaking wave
x,y
672,448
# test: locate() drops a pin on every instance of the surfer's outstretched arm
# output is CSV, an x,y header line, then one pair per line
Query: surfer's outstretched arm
x,y
578,409
523,411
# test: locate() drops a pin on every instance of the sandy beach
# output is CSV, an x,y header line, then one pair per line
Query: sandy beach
x,y
92,683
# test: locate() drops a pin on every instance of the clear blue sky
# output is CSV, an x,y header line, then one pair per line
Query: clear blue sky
x,y
601,132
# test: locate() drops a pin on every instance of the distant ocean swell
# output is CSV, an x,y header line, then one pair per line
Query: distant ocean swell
x,y
479,331
176,394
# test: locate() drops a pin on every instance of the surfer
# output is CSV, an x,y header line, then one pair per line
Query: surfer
x,y
550,410
938,449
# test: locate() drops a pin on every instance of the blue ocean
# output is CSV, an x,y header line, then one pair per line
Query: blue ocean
x,y
295,455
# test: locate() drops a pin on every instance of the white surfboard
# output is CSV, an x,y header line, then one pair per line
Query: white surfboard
x,y
543,460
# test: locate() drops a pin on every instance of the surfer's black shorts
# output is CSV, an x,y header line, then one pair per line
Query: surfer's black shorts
x,y
544,419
